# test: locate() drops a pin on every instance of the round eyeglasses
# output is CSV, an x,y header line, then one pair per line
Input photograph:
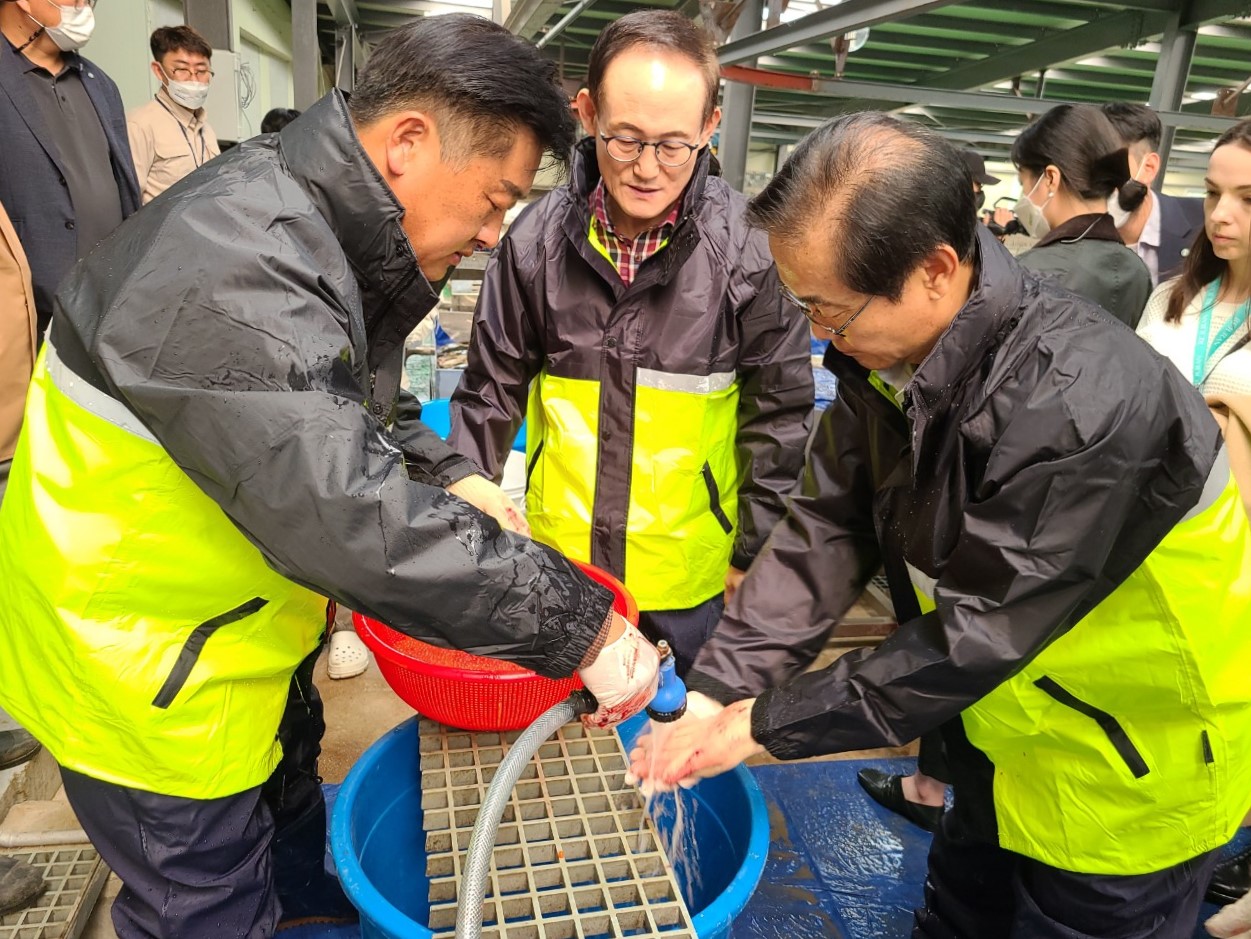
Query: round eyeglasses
x,y
668,152
182,74
813,310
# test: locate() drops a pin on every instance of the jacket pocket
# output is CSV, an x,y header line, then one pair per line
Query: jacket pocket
x,y
714,499
534,461
190,652
1110,725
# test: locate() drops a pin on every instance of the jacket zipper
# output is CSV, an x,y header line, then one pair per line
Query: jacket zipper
x,y
190,652
714,499
534,461
1110,725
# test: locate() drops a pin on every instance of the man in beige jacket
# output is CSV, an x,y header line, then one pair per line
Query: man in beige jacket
x,y
19,882
170,136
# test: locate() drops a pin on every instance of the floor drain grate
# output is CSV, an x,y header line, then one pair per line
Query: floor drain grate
x,y
75,875
576,856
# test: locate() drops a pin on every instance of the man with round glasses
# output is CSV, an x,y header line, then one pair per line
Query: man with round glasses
x,y
636,320
170,135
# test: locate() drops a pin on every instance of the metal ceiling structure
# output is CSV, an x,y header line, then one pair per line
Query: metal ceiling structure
x,y
976,70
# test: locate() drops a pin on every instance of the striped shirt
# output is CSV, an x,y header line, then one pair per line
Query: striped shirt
x,y
626,254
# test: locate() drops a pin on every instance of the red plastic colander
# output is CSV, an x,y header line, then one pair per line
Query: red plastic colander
x,y
470,691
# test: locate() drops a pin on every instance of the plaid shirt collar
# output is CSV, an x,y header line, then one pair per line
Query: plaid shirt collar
x,y
628,254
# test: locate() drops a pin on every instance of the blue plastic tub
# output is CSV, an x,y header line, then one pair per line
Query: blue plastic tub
x,y
376,837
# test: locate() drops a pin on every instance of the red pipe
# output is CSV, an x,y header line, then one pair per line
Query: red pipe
x,y
763,78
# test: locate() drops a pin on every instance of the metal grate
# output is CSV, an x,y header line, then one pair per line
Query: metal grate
x,y
576,856
74,875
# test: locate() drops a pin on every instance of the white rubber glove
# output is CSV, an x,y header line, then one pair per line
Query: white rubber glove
x,y
1232,922
490,499
623,677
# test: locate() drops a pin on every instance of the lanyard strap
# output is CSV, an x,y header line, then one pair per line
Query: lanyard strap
x,y
191,147
1203,350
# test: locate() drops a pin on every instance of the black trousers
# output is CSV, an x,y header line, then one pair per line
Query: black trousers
x,y
232,866
979,891
686,631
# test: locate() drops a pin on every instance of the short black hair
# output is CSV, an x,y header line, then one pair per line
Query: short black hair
x,y
276,119
480,81
169,39
886,193
656,29
1081,143
1135,123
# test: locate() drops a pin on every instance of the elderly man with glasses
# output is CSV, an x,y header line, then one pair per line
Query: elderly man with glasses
x,y
635,319
1066,551
170,135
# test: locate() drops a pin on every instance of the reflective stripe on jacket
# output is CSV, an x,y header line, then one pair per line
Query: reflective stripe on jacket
x,y
667,418
1060,484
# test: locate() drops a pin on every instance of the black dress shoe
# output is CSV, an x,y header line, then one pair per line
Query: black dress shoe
x,y
1230,881
20,884
16,747
887,791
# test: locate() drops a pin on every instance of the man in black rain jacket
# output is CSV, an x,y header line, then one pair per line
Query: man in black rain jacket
x,y
1066,550
634,319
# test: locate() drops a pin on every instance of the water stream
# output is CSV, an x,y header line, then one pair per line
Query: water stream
x,y
674,817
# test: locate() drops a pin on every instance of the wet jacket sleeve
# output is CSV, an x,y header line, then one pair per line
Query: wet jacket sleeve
x,y
247,380
775,412
814,566
504,355
1071,500
430,459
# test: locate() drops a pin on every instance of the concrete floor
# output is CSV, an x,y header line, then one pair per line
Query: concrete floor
x,y
360,710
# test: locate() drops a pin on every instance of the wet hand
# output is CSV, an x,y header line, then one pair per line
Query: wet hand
x,y
490,499
733,578
695,748
1232,922
623,676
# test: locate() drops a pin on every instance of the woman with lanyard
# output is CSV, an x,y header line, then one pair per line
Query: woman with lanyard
x,y
1199,321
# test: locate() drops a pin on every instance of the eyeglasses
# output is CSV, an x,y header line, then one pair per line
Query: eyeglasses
x,y
668,152
183,74
813,310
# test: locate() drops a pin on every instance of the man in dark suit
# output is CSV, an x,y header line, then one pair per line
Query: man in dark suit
x,y
1162,228
66,176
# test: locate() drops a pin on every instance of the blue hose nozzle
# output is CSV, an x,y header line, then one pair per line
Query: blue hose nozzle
x,y
670,701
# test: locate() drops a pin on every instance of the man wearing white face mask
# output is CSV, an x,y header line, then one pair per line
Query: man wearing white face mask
x,y
66,177
170,136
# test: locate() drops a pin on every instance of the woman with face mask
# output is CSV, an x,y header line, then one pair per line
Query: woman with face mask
x,y
1070,163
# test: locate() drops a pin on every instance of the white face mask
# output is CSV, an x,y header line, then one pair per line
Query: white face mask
x,y
77,25
1030,215
190,95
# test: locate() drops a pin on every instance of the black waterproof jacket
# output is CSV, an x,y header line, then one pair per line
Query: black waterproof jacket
x,y
1044,453
253,318
709,302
